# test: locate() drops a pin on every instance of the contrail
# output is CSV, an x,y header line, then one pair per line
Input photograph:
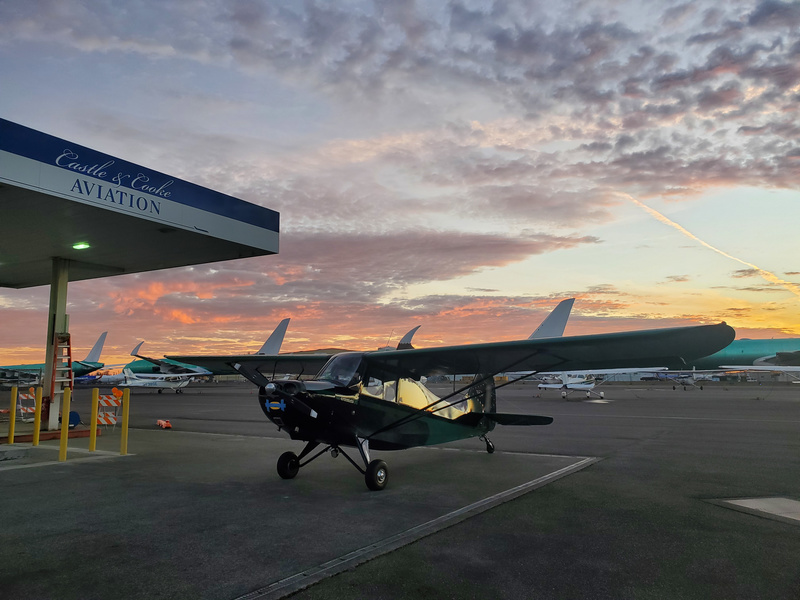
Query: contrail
x,y
771,277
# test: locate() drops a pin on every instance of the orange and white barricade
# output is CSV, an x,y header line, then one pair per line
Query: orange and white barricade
x,y
109,406
27,411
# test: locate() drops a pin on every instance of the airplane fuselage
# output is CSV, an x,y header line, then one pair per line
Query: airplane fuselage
x,y
338,416
748,352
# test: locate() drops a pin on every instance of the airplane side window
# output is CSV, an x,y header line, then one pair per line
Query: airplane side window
x,y
380,389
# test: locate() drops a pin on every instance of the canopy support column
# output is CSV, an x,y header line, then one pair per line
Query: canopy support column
x,y
57,322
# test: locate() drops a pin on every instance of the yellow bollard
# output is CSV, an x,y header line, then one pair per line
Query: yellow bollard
x,y
62,452
12,420
93,422
37,417
126,409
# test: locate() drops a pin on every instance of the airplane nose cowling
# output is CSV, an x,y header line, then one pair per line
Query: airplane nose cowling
x,y
281,388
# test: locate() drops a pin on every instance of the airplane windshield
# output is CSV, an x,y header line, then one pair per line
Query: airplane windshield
x,y
342,369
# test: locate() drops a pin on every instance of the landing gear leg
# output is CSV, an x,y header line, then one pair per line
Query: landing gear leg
x,y
489,444
289,463
377,473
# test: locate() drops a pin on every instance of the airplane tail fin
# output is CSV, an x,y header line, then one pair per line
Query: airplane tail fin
x,y
405,343
273,344
97,349
555,322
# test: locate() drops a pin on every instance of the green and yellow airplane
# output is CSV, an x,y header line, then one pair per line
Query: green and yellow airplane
x,y
379,400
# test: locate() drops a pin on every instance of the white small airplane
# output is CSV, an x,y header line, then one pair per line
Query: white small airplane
x,y
569,382
160,382
572,381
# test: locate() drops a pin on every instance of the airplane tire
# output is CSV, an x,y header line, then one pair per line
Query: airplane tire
x,y
288,465
489,447
377,475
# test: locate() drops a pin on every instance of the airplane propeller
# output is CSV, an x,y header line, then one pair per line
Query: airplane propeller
x,y
287,391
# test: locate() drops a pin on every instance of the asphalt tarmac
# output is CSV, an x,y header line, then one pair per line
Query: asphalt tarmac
x,y
613,500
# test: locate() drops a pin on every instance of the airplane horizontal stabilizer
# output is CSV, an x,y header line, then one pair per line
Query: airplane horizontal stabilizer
x,y
473,418
512,419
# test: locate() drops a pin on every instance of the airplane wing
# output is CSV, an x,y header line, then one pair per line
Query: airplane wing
x,y
271,366
606,371
773,368
587,353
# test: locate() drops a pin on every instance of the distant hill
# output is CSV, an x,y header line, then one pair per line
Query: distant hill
x,y
322,351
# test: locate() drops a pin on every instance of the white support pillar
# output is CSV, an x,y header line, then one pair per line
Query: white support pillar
x,y
57,322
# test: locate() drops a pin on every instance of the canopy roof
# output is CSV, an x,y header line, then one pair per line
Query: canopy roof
x,y
55,194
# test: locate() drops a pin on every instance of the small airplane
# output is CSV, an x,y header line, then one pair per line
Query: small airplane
x,y
569,382
33,373
169,365
144,380
378,400
164,366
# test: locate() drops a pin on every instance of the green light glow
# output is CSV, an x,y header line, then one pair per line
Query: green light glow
x,y
80,246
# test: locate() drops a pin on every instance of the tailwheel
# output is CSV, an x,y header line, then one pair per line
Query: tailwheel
x,y
288,465
376,475
489,444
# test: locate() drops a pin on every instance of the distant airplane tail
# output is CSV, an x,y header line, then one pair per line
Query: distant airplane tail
x,y
405,343
97,349
272,346
553,326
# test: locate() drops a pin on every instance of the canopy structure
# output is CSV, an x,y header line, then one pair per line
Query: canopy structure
x,y
56,194
70,213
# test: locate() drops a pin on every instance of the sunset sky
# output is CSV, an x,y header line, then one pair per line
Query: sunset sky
x,y
462,165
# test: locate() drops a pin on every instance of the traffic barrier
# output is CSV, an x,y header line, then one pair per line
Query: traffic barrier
x,y
26,412
117,399
108,417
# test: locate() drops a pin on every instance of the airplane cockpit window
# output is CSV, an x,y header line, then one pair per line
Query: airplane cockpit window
x,y
343,369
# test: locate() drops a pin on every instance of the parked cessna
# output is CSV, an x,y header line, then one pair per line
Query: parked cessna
x,y
569,382
377,400
160,382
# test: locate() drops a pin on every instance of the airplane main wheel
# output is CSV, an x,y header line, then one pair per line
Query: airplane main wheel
x,y
377,475
489,447
288,465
